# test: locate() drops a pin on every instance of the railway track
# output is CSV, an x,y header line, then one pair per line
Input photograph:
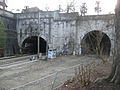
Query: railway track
x,y
14,61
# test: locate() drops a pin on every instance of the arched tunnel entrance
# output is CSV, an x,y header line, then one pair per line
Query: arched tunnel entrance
x,y
96,42
30,45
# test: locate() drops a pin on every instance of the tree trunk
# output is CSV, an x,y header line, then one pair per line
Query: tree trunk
x,y
115,73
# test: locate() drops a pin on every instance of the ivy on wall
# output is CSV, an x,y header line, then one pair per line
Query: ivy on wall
x,y
2,35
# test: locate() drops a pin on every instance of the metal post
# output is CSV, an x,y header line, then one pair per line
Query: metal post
x,y
38,35
46,49
38,46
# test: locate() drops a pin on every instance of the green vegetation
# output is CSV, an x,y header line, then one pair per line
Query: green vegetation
x,y
2,35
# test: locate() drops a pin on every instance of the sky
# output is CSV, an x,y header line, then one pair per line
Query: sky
x,y
107,6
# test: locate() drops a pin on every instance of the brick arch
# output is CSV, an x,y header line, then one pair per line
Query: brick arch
x,y
42,36
84,33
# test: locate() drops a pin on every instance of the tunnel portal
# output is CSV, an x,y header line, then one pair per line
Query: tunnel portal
x,y
30,45
96,42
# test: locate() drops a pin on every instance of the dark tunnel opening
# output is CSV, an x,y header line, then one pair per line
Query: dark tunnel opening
x,y
30,45
96,42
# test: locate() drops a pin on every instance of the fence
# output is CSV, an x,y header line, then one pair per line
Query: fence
x,y
57,79
49,82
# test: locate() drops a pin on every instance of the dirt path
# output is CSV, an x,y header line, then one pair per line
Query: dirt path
x,y
21,74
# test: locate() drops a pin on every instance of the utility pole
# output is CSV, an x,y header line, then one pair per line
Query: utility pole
x,y
38,35
48,36
49,19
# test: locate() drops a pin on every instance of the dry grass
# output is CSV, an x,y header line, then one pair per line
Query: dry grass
x,y
87,75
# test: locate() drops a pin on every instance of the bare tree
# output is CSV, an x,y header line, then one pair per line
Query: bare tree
x,y
60,8
83,9
94,44
115,73
98,8
71,7
47,8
